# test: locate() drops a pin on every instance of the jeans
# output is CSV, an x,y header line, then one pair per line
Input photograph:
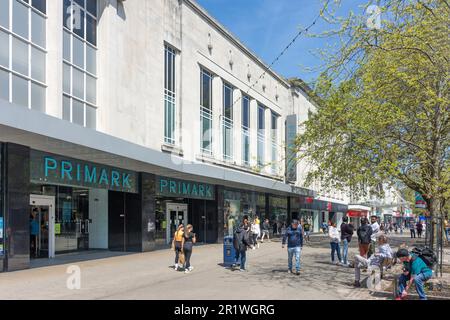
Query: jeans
x,y
345,251
360,263
243,255
413,233
177,250
418,281
291,252
335,248
187,254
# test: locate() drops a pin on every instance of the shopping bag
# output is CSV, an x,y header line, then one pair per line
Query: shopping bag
x,y
181,258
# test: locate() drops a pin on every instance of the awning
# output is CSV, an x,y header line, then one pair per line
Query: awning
x,y
357,214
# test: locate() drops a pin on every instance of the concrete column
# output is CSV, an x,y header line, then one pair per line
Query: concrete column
x,y
54,66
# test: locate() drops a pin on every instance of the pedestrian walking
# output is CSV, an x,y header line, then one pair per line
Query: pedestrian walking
x,y
419,228
412,229
177,244
375,261
391,227
347,230
256,232
241,241
447,227
274,228
375,233
307,230
188,242
333,234
294,238
364,233
265,230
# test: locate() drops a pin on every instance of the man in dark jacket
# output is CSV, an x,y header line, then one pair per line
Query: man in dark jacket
x,y
241,241
294,237
364,237
347,230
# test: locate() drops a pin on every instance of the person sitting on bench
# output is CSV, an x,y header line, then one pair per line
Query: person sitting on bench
x,y
376,260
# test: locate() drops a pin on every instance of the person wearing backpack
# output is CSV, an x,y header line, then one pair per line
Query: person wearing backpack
x,y
415,270
364,233
241,241
347,230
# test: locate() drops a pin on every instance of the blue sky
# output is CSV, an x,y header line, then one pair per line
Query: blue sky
x,y
267,26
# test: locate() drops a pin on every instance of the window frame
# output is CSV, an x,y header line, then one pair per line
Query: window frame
x,y
87,105
30,44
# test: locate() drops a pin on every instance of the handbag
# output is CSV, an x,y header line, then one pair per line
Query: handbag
x,y
181,258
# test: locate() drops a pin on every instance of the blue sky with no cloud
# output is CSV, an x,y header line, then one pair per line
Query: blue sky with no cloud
x,y
267,26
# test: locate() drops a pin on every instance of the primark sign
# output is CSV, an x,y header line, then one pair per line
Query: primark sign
x,y
169,187
53,169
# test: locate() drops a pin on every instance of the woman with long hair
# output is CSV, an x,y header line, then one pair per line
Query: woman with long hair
x,y
177,244
187,243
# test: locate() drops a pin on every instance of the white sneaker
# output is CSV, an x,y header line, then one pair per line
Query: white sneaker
x,y
176,266
187,271
191,268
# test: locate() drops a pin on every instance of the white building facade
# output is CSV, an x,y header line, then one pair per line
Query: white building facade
x,y
121,119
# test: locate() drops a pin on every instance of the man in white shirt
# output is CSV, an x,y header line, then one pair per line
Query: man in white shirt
x,y
375,233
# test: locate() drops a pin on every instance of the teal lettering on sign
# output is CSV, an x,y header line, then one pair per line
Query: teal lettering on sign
x,y
90,177
60,170
187,189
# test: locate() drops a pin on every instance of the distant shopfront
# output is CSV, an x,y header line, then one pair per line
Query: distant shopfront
x,y
316,211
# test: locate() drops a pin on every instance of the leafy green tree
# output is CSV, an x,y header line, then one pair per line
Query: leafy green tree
x,y
383,113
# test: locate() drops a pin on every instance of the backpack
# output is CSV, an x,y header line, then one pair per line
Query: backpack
x,y
364,234
426,254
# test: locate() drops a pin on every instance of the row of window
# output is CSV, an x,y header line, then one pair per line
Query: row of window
x,y
23,54
23,57
206,116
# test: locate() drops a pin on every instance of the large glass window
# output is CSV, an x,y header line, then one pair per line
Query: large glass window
x,y
22,52
80,62
246,130
227,122
205,112
261,135
169,95
274,140
278,213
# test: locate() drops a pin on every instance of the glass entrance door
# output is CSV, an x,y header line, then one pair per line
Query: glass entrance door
x,y
176,213
42,227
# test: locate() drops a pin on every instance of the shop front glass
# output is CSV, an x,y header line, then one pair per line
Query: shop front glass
x,y
278,214
72,221
238,203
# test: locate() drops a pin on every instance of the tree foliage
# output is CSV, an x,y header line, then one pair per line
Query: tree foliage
x,y
384,103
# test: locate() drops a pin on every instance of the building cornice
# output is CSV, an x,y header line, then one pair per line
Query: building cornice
x,y
233,39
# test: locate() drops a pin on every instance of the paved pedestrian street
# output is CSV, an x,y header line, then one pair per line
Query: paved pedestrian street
x,y
151,276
